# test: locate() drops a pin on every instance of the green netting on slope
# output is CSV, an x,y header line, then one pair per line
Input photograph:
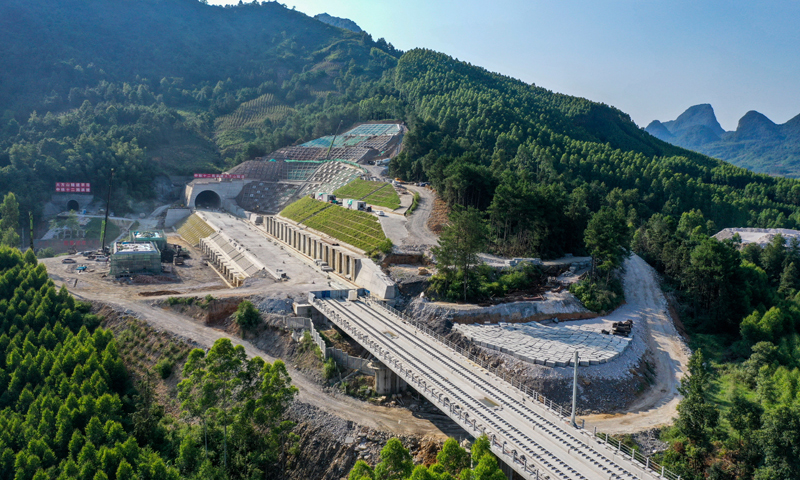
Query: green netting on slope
x,y
341,141
374,130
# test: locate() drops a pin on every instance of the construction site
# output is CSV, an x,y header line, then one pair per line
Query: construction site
x,y
237,239
266,185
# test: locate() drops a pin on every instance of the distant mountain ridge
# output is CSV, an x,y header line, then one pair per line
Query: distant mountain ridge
x,y
758,143
345,23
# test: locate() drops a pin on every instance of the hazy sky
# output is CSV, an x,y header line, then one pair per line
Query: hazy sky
x,y
649,58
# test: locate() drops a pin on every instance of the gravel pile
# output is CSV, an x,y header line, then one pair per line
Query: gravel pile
x,y
279,306
300,412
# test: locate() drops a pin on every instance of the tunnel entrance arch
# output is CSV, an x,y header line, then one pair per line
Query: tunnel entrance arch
x,y
207,199
73,206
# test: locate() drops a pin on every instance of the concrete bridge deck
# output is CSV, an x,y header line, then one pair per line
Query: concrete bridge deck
x,y
526,435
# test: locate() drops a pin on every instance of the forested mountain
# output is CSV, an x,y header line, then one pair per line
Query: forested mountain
x,y
540,163
757,143
151,87
345,23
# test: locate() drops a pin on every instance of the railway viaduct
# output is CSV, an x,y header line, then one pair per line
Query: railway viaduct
x,y
528,432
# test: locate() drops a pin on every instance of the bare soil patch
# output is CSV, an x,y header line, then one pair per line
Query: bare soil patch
x,y
439,215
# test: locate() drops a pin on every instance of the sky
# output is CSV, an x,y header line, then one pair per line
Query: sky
x,y
650,58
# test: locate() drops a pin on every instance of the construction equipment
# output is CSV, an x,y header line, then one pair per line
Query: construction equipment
x,y
622,329
108,207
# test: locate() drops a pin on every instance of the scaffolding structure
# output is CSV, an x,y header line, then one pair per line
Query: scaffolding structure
x,y
156,237
130,258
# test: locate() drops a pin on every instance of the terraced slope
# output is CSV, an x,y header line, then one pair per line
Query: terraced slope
x,y
193,229
375,193
359,229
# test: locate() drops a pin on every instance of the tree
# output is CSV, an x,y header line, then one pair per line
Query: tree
x,y
247,315
790,277
714,278
696,413
395,462
9,210
488,469
479,448
606,238
452,457
361,471
780,442
230,388
9,222
460,242
773,257
148,411
421,473
744,416
211,382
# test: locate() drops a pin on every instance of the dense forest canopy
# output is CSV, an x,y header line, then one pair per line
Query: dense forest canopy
x,y
69,407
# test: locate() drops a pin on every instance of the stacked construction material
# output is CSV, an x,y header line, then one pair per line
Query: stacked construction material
x,y
623,329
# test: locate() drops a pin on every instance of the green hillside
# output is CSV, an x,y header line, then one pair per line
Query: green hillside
x,y
150,87
359,229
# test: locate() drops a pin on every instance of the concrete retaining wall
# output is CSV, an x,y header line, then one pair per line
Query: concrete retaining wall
x,y
563,306
343,262
175,215
342,358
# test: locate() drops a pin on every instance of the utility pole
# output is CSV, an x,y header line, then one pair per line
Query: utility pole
x,y
108,206
575,389
30,217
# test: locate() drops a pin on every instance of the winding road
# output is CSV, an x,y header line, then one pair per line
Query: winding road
x,y
646,303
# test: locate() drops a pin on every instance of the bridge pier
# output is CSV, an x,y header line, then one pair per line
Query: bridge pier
x,y
386,381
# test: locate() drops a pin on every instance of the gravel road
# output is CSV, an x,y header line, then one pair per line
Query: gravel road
x,y
657,406
417,222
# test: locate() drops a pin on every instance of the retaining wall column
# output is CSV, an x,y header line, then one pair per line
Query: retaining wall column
x,y
386,381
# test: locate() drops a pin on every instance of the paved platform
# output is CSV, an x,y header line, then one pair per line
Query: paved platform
x,y
553,344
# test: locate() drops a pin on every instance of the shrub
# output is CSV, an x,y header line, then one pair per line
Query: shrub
x,y
307,343
247,315
414,204
46,253
599,296
164,367
172,301
329,369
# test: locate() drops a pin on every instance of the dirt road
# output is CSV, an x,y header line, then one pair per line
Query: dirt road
x,y
657,406
417,224
398,421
